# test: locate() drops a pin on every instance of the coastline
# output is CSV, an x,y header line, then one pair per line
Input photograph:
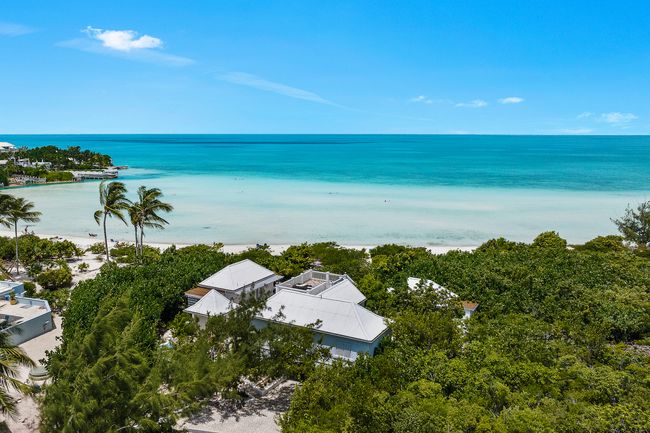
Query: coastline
x,y
87,241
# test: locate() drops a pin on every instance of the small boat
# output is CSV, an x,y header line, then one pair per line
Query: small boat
x,y
92,235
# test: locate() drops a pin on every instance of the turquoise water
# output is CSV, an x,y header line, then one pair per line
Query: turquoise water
x,y
361,189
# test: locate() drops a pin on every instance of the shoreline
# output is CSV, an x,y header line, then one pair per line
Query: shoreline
x,y
276,249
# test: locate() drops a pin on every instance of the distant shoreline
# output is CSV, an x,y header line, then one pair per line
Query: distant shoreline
x,y
87,241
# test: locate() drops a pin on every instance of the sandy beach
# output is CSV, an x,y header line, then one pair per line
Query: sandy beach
x,y
87,241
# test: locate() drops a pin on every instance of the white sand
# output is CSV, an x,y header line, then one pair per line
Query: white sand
x,y
87,241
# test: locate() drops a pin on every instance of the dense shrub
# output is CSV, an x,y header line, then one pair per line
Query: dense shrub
x,y
56,277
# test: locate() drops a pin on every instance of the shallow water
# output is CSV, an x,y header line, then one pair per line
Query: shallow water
x,y
361,190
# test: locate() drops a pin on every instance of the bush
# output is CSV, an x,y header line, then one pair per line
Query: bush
x,y
549,240
59,176
55,278
604,244
97,248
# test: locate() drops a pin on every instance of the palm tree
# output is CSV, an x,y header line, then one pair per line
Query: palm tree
x,y
11,357
113,201
14,210
149,204
134,215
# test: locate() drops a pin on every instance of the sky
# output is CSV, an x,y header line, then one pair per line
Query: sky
x,y
395,67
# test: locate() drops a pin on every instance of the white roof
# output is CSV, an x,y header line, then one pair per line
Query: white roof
x,y
344,290
414,283
212,304
241,274
342,318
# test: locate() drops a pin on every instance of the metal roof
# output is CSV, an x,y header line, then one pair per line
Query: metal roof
x,y
238,275
344,290
213,304
341,318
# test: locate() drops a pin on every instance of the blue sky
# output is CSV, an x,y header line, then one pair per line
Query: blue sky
x,y
514,67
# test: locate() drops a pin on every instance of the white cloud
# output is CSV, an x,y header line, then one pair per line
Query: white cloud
x,y
584,115
511,100
475,103
125,44
616,118
422,99
123,40
576,131
250,80
12,29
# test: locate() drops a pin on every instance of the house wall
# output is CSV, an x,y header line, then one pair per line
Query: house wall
x,y
31,328
341,347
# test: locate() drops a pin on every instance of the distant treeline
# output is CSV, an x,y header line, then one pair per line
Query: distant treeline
x,y
72,158
60,162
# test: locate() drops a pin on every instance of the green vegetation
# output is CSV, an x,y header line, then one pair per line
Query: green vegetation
x,y
11,357
61,161
111,353
547,350
145,213
113,202
635,225
56,277
12,211
72,158
59,176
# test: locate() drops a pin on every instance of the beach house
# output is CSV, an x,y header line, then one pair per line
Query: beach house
x,y
236,280
329,304
345,327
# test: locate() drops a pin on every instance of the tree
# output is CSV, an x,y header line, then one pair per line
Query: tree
x,y
147,208
134,216
11,357
635,224
13,210
113,201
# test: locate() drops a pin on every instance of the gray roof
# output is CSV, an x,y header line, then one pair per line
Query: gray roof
x,y
238,275
341,318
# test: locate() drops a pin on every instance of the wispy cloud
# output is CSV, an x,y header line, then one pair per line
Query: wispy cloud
x,y
475,103
421,99
250,80
616,118
13,29
123,40
576,131
584,115
125,44
511,100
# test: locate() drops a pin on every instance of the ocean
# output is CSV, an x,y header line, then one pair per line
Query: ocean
x,y
359,189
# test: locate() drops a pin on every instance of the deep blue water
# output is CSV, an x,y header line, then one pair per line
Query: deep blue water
x,y
580,163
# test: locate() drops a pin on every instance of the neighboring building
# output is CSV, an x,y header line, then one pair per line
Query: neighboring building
x,y
212,304
324,284
6,147
242,278
195,294
447,295
26,319
6,287
345,327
